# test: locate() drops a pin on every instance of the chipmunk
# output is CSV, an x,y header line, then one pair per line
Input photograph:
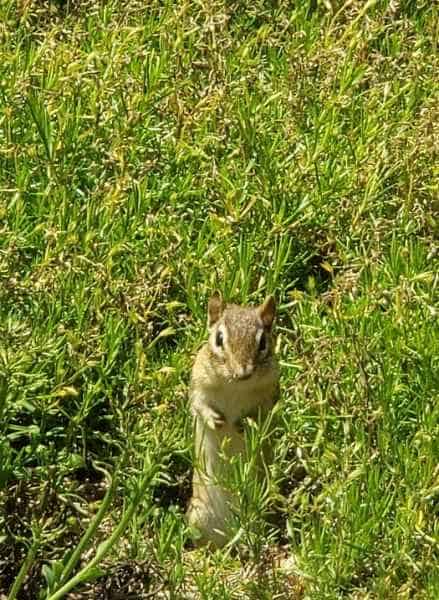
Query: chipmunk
x,y
234,376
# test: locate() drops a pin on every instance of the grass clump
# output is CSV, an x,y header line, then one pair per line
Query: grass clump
x,y
150,153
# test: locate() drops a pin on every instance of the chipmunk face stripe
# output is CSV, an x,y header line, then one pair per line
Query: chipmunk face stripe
x,y
218,340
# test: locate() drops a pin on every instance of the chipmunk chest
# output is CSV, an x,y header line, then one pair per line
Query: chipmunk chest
x,y
236,401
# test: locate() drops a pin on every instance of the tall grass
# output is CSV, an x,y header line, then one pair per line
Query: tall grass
x,y
152,152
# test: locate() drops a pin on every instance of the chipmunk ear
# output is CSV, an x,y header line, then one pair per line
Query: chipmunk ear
x,y
215,308
267,312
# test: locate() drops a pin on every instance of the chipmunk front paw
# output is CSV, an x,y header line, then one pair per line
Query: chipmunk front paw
x,y
214,419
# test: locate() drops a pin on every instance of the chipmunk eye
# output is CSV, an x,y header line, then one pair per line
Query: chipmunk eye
x,y
262,343
219,340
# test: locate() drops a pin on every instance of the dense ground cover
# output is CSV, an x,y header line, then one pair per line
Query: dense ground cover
x,y
149,153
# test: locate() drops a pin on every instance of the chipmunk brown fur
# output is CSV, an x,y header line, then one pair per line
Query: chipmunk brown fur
x,y
235,375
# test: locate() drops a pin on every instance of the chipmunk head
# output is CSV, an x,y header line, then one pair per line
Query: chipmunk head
x,y
240,337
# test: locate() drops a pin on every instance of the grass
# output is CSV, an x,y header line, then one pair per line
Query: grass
x,y
150,153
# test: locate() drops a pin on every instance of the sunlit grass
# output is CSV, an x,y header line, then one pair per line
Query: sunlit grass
x,y
150,153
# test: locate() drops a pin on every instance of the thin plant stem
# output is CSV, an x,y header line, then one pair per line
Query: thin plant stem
x,y
27,563
91,530
105,547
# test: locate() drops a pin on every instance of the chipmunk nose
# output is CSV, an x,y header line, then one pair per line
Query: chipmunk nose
x,y
244,372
